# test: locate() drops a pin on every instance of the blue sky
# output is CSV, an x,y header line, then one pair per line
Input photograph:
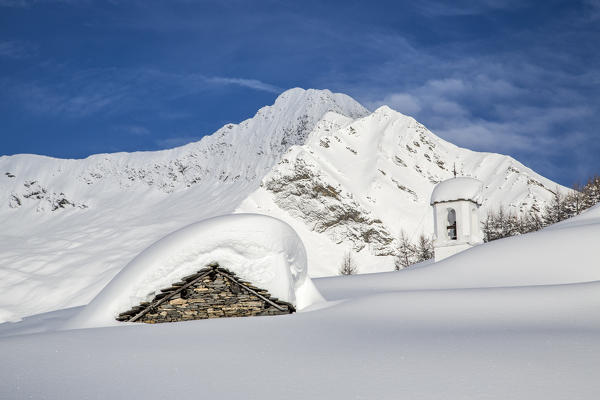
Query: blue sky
x,y
522,78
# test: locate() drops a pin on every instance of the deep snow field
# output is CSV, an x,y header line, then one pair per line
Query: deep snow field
x,y
517,318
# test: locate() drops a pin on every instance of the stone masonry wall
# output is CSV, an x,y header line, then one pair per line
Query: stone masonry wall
x,y
213,296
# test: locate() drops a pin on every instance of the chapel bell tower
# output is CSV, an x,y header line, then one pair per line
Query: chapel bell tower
x,y
456,204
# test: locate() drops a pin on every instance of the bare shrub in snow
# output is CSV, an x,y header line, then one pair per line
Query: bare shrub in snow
x,y
406,252
348,266
424,248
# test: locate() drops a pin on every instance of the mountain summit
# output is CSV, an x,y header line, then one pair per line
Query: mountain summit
x,y
344,178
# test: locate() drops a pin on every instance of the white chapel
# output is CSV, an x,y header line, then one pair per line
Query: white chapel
x,y
456,204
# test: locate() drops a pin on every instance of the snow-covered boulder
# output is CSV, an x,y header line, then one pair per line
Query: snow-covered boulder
x,y
259,249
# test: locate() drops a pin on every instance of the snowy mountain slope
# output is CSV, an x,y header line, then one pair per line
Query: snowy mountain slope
x,y
359,182
348,180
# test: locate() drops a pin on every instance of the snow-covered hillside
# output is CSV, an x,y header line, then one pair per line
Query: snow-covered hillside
x,y
512,319
341,176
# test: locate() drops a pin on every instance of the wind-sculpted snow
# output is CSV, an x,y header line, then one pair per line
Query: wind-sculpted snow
x,y
259,249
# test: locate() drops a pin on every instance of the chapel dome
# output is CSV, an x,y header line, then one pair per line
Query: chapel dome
x,y
461,188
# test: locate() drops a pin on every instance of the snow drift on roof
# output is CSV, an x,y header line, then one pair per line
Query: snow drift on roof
x,y
260,249
461,188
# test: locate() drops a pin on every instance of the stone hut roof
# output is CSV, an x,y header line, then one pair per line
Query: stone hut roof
x,y
212,292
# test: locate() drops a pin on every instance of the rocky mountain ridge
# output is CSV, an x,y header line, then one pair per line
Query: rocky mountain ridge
x,y
244,151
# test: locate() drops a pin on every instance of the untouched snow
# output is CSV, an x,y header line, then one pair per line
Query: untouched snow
x,y
512,319
460,188
69,226
259,249
538,344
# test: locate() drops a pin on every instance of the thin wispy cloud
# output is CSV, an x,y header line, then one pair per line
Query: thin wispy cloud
x,y
30,3
14,3
593,9
115,91
17,49
136,130
249,83
463,8
176,141
73,102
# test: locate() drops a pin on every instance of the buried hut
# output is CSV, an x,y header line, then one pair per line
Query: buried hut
x,y
229,266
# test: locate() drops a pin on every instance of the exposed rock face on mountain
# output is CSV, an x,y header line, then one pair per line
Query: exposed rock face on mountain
x,y
344,178
44,200
306,195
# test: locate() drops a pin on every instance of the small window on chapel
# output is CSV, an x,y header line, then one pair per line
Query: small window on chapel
x,y
451,228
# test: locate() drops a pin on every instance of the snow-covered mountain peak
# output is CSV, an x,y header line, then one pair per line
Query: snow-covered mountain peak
x,y
316,99
385,114
386,111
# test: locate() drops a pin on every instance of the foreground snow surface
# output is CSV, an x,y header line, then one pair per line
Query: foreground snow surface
x,y
513,319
